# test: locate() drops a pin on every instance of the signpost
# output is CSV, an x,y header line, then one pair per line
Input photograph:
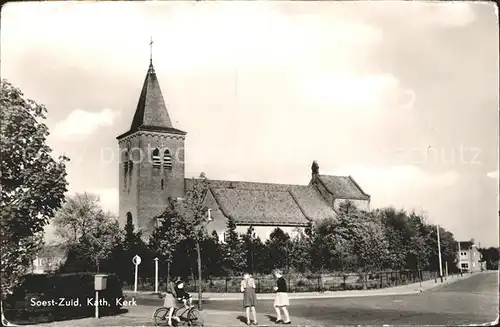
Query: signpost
x,y
100,282
156,275
136,260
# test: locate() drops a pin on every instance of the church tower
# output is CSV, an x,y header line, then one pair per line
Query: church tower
x,y
151,168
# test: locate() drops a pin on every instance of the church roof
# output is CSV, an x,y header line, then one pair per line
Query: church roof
x,y
251,203
259,207
151,113
343,187
466,245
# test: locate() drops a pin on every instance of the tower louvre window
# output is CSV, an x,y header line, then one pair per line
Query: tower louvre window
x,y
167,160
125,164
129,218
126,169
156,158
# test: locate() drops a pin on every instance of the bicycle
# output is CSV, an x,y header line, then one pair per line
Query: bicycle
x,y
190,317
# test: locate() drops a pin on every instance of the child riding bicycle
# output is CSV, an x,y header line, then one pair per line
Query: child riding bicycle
x,y
175,291
182,295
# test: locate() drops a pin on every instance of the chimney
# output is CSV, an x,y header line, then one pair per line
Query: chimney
x,y
315,169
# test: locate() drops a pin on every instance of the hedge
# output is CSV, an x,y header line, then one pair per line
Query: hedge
x,y
22,305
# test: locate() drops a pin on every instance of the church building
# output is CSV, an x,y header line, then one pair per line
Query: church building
x,y
152,171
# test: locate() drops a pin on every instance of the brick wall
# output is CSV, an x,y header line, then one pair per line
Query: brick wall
x,y
219,221
360,204
263,232
127,179
148,189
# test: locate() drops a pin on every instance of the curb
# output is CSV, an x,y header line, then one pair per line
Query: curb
x,y
417,290
311,297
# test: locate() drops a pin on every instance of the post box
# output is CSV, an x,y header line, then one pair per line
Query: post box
x,y
100,281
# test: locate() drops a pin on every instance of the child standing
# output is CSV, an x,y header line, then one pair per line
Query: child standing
x,y
281,301
249,298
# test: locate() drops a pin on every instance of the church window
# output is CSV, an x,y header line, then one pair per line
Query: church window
x,y
129,218
156,158
162,183
167,160
125,169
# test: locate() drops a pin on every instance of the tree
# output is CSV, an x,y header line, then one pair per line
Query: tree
x,y
89,233
166,236
280,249
98,244
391,220
354,240
32,183
490,256
78,217
233,255
250,247
193,214
300,259
370,244
211,250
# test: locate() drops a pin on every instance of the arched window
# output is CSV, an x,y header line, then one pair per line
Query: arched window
x,y
162,183
125,157
125,168
129,218
167,160
156,158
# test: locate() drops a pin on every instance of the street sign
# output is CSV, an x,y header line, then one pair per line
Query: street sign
x,y
136,260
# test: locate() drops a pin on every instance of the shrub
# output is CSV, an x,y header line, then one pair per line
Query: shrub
x,y
21,307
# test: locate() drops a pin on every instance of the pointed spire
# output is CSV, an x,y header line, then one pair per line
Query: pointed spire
x,y
151,112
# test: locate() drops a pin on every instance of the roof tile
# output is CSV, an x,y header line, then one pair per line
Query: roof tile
x,y
268,203
343,187
151,113
259,206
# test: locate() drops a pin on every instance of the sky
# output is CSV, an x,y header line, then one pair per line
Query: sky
x,y
403,96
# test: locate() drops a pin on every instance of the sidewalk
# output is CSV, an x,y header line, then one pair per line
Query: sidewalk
x,y
142,316
396,290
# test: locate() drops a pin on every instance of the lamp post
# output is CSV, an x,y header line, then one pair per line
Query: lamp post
x,y
439,253
156,275
470,258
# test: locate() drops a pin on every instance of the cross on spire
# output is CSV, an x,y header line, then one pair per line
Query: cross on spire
x,y
151,51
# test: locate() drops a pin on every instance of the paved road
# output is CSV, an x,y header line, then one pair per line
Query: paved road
x,y
469,301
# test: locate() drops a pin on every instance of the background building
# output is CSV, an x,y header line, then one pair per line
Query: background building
x,y
152,171
469,257
49,259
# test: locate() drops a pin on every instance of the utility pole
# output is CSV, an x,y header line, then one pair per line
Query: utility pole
x,y
459,259
439,253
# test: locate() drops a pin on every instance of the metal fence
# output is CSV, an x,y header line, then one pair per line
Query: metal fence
x,y
304,283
